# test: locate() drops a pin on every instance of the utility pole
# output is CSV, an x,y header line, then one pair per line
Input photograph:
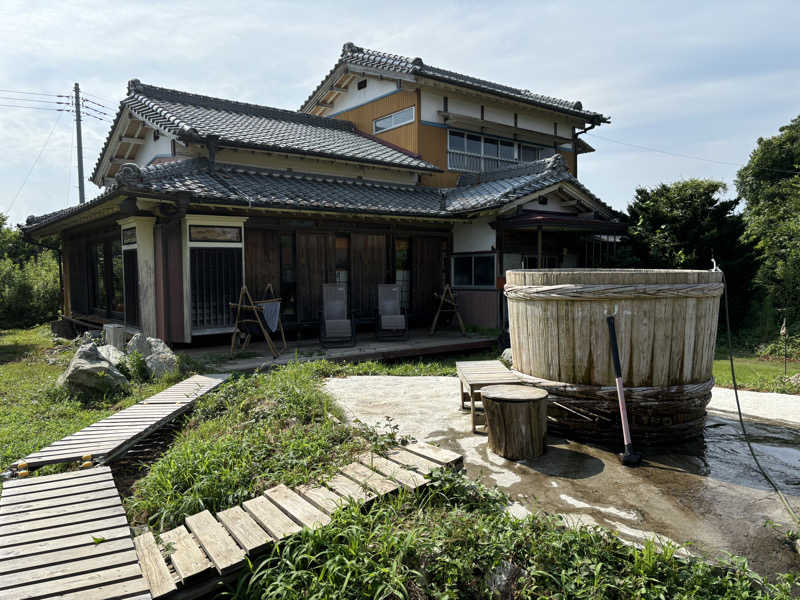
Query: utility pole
x,y
82,195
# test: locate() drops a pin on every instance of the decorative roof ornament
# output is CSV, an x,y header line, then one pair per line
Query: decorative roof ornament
x,y
128,174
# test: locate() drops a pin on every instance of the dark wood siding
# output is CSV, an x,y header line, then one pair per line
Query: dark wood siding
x,y
262,260
316,264
367,270
78,264
426,275
173,255
131,268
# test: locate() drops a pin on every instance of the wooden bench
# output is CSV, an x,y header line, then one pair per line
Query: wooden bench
x,y
476,374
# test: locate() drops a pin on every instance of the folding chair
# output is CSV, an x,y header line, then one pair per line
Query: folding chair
x,y
391,321
336,328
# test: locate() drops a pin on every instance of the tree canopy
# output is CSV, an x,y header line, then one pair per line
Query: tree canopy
x,y
683,225
770,186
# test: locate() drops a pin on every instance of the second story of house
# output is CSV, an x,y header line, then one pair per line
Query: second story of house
x,y
459,123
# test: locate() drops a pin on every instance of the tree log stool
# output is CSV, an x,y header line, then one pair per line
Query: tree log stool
x,y
516,419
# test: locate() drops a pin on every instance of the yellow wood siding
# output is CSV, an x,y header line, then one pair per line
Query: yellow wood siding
x,y
570,159
433,148
404,136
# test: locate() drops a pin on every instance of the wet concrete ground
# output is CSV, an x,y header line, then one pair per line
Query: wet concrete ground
x,y
707,495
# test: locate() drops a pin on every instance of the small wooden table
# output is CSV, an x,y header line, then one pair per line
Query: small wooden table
x,y
516,420
476,374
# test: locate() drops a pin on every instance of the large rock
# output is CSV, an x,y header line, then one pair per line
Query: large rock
x,y
90,373
138,343
507,357
161,363
112,354
158,356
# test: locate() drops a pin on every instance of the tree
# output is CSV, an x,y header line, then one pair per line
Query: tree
x,y
683,225
770,186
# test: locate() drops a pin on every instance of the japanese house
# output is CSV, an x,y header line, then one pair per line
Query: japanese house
x,y
391,171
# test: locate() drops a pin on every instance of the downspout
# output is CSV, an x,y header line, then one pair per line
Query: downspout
x,y
575,135
27,239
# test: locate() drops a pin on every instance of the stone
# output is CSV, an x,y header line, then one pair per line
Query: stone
x,y
138,343
506,357
89,337
112,354
161,363
92,374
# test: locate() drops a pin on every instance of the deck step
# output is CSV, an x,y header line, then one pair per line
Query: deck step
x,y
364,476
271,518
408,479
154,568
220,547
300,510
321,497
243,528
184,553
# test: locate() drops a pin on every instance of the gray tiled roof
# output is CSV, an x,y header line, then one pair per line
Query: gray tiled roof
x,y
193,117
250,186
495,188
373,59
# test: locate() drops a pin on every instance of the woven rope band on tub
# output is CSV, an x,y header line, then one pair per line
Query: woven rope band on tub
x,y
655,395
590,291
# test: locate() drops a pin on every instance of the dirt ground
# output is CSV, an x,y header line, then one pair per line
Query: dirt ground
x,y
706,496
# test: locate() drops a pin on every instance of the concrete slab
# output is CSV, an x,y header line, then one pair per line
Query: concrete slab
x,y
706,495
783,408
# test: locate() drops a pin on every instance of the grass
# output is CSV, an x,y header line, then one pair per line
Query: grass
x,y
455,540
754,373
34,412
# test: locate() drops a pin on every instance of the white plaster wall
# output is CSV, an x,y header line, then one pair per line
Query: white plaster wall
x,y
150,149
463,106
430,105
536,122
499,114
353,97
476,236
553,205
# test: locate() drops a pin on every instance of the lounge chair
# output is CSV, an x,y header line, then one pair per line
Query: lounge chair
x,y
391,321
336,328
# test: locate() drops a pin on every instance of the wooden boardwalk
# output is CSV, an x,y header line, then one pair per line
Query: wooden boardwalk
x,y
107,439
66,535
192,559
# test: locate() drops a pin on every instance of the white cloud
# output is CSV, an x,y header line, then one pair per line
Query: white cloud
x,y
705,80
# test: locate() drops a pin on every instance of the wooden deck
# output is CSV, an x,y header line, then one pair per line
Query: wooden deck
x,y
66,535
192,560
367,347
105,440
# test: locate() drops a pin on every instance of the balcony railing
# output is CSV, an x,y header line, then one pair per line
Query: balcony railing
x,y
460,161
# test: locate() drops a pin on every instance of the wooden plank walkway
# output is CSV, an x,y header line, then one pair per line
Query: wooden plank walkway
x,y
66,535
105,440
191,561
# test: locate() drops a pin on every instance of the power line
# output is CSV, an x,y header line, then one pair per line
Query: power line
x,y
679,155
36,107
34,93
33,166
97,103
33,100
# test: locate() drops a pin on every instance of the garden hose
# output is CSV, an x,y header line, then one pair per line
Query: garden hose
x,y
761,469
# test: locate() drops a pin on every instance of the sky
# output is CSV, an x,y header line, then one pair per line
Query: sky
x,y
689,86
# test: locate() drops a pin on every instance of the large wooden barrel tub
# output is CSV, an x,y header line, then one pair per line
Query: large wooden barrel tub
x,y
666,324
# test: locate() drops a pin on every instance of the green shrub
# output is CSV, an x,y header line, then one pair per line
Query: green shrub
x,y
29,291
775,348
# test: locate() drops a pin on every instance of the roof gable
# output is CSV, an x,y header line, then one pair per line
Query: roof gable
x,y
195,118
353,55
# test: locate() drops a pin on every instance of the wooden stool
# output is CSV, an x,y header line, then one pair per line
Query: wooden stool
x,y
516,420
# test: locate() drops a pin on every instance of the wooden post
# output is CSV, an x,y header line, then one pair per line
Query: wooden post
x,y
516,419
539,247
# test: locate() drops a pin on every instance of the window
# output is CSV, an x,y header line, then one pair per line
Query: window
x,y
474,270
129,236
476,153
342,258
362,84
397,119
206,233
288,277
106,285
402,269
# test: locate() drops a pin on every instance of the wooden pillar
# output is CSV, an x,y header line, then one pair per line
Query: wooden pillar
x,y
539,247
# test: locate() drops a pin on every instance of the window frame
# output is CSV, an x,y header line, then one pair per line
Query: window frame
x,y
483,157
394,125
473,256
